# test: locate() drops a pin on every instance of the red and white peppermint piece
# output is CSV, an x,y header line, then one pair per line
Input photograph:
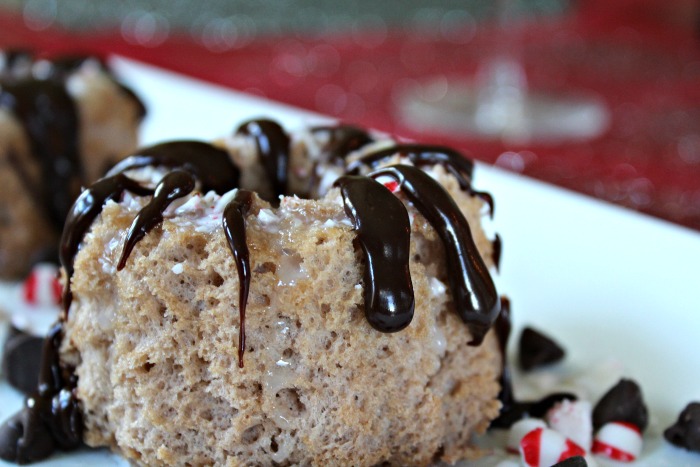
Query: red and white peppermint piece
x,y
543,447
519,429
42,288
389,182
573,420
619,441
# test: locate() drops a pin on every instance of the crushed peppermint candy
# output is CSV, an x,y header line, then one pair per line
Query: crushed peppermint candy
x,y
573,420
619,441
544,447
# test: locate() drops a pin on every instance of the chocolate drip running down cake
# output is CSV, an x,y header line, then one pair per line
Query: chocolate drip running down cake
x,y
211,318
63,122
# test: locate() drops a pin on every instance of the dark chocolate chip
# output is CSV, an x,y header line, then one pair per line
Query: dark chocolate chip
x,y
622,403
45,255
537,350
574,461
21,360
686,431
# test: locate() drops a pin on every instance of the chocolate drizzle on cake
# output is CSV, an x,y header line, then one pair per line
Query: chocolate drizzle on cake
x,y
473,291
343,139
210,165
48,116
497,246
273,147
85,210
34,91
384,233
234,228
51,418
420,155
174,185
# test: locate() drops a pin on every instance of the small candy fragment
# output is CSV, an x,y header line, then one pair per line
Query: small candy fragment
x,y
536,349
686,431
543,447
519,429
573,420
42,288
619,441
622,403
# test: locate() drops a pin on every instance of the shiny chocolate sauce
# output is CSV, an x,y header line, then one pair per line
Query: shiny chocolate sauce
x,y
273,147
211,166
234,229
384,233
62,67
497,246
83,213
51,417
513,410
49,118
174,185
343,140
421,155
473,291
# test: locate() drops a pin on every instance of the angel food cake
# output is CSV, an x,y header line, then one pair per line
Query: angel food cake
x,y
62,123
213,317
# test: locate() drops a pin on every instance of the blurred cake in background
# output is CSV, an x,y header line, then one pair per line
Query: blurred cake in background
x,y
62,123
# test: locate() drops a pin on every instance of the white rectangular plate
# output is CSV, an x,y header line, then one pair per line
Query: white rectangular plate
x,y
604,281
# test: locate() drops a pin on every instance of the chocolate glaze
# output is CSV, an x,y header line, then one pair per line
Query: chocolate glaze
x,y
511,409
420,155
60,68
503,327
174,185
84,211
273,146
473,291
51,417
383,232
48,116
234,228
497,251
343,140
210,165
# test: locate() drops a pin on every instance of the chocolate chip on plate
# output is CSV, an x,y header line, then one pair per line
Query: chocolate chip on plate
x,y
21,360
622,403
686,431
574,461
537,350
